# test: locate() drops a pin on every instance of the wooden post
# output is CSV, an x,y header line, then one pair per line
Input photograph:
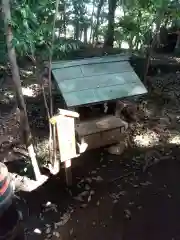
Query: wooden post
x,y
68,172
66,139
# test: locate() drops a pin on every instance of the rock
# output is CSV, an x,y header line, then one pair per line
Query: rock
x,y
117,149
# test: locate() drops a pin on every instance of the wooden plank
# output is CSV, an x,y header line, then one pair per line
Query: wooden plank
x,y
93,126
92,96
63,112
103,139
94,82
66,138
93,60
68,113
68,172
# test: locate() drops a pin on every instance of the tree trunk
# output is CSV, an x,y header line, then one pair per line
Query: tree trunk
x,y
77,30
92,22
64,18
17,86
85,34
153,44
95,34
177,47
109,39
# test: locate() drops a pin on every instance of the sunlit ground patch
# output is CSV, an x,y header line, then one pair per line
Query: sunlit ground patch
x,y
31,91
9,95
174,140
42,148
146,139
26,73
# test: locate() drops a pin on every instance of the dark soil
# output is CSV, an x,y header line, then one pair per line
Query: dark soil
x,y
141,211
120,201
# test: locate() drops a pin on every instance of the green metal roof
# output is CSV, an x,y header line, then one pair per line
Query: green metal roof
x,y
98,79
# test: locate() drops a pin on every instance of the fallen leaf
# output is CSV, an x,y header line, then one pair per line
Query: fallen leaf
x,y
98,179
145,183
71,232
48,230
79,198
89,180
37,230
122,193
57,234
89,198
87,187
92,192
127,213
84,194
84,205
64,219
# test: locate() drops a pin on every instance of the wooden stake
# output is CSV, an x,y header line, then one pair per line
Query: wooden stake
x,y
68,173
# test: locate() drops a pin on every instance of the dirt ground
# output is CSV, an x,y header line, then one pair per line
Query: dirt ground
x,y
111,196
140,206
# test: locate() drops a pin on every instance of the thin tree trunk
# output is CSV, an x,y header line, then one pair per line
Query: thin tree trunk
x,y
52,138
64,18
110,31
95,35
177,47
152,45
17,85
92,22
85,34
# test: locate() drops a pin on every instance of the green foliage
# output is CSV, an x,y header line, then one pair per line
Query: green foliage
x,y
32,23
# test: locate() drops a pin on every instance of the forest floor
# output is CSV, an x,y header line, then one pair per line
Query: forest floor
x,y
112,197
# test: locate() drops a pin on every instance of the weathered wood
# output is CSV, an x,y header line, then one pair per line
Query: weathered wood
x,y
89,127
65,113
68,173
66,138
102,132
105,138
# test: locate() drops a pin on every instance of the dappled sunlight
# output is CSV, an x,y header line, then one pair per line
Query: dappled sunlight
x,y
31,91
146,139
42,150
9,95
27,92
174,140
166,58
150,139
